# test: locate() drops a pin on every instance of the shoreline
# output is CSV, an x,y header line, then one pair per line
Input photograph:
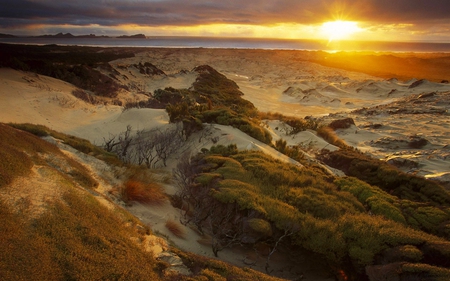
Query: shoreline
x,y
237,43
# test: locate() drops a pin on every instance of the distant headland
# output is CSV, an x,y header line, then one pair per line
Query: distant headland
x,y
69,36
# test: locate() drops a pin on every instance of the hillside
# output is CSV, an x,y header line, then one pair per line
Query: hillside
x,y
60,221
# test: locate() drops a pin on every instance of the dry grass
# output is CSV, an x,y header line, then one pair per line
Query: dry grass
x,y
175,228
330,136
19,151
79,144
76,239
146,193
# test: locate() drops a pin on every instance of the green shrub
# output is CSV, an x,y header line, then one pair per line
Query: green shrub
x,y
408,253
321,204
207,178
378,206
261,226
226,151
377,201
226,116
387,177
37,130
329,218
424,272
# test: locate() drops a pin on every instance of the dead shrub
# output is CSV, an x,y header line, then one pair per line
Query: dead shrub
x,y
175,228
417,142
146,193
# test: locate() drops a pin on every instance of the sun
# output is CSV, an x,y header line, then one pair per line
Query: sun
x,y
338,30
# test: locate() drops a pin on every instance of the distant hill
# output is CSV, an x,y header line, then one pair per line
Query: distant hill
x,y
69,35
59,35
2,35
136,36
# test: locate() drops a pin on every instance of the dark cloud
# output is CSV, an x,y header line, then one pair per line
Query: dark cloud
x,y
182,12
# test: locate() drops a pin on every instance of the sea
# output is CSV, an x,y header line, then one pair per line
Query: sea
x,y
238,43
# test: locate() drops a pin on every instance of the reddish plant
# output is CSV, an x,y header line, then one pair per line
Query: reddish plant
x,y
150,193
175,228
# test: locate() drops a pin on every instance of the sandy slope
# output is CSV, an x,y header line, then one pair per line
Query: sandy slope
x,y
386,132
282,82
28,97
95,122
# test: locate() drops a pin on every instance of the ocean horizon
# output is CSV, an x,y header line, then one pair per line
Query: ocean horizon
x,y
237,43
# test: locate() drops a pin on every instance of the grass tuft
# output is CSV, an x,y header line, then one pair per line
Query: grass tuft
x,y
328,134
175,228
146,193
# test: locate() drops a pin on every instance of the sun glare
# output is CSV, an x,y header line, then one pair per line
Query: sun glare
x,y
337,30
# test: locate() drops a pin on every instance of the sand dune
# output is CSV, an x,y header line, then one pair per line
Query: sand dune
x,y
276,82
273,81
390,131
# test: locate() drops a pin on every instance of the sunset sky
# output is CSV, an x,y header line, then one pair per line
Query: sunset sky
x,y
391,20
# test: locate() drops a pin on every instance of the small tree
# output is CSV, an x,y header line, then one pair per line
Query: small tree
x,y
167,142
145,147
120,144
288,230
226,225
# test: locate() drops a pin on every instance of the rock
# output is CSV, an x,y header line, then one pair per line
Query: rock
x,y
392,92
159,248
417,83
427,95
443,179
170,258
176,265
389,142
154,244
149,69
417,142
373,126
403,163
204,69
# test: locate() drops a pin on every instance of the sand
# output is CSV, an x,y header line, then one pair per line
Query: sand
x,y
274,82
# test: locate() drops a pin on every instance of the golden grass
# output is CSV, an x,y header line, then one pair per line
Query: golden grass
x,y
76,239
19,151
78,143
146,193
175,228
330,136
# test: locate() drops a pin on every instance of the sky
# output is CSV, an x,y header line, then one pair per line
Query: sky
x,y
387,20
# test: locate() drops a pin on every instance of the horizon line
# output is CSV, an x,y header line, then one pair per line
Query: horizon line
x,y
141,35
